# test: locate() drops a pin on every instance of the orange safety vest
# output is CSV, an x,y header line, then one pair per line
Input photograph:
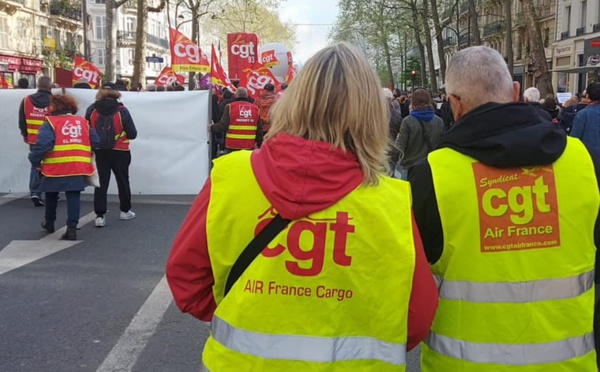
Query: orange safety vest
x,y
121,140
72,153
34,118
241,134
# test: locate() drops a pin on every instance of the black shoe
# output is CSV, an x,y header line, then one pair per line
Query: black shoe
x,y
37,202
48,226
70,234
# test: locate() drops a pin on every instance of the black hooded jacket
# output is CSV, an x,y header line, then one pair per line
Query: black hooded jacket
x,y
110,107
499,135
40,99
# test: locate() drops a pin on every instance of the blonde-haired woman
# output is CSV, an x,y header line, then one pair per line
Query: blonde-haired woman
x,y
115,127
303,254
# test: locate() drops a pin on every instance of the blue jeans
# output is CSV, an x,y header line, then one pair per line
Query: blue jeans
x,y
34,182
73,207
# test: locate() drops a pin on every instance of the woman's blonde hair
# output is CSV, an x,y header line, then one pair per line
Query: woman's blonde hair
x,y
336,98
107,92
570,102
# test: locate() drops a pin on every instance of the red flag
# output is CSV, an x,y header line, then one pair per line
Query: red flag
x,y
4,84
217,74
242,51
85,70
185,55
254,79
167,78
269,59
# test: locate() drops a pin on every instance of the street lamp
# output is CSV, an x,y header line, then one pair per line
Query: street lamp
x,y
413,75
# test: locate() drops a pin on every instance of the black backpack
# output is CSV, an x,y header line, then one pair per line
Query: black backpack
x,y
105,127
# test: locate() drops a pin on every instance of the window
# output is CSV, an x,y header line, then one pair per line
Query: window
x,y
4,32
129,24
130,57
100,27
568,19
100,56
100,1
583,20
546,36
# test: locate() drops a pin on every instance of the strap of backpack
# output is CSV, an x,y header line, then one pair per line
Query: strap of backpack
x,y
425,136
254,248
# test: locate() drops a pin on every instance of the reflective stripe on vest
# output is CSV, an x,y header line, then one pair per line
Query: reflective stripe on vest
x,y
34,119
516,275
312,289
511,354
71,154
243,123
516,292
305,348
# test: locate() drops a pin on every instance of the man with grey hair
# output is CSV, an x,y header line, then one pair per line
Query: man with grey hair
x,y
32,113
512,249
241,122
533,97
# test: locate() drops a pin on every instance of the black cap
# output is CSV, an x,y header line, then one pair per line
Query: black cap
x,y
108,86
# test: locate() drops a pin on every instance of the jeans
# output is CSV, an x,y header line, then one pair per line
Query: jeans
x,y
34,182
117,162
73,207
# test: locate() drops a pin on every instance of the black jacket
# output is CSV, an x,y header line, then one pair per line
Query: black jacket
x,y
40,99
498,135
223,125
110,107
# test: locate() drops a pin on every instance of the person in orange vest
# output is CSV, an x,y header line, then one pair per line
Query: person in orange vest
x,y
241,122
115,127
32,112
62,153
264,101
303,254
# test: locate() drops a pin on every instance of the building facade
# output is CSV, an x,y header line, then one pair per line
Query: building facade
x,y
37,36
577,45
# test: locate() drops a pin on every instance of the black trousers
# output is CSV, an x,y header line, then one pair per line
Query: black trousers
x,y
117,162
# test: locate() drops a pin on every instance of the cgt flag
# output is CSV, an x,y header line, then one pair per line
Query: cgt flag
x,y
4,84
168,78
85,70
242,53
218,75
185,55
269,59
254,79
291,73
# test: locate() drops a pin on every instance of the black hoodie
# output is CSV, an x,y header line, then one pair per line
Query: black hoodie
x,y
499,135
110,107
40,99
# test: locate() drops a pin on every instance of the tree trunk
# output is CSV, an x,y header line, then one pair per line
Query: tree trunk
x,y
388,61
110,57
474,29
428,43
440,40
417,30
510,55
538,54
139,59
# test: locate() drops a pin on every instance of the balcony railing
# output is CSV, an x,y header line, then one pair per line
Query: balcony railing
x,y
130,37
58,8
464,39
493,28
464,7
580,31
564,35
449,41
596,27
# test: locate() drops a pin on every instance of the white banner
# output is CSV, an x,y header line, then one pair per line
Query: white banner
x,y
170,155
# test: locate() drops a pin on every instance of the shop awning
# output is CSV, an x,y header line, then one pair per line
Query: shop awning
x,y
579,70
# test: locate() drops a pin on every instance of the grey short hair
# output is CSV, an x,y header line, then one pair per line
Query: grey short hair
x,y
387,94
531,95
44,83
241,93
479,75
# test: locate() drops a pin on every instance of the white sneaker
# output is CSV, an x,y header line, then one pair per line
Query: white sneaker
x,y
100,221
127,215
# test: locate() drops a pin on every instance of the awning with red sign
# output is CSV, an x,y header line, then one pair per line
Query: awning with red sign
x,y
13,62
31,65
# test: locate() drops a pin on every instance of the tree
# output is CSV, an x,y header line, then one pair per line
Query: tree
x,y
510,57
474,23
428,44
139,56
538,54
111,38
438,27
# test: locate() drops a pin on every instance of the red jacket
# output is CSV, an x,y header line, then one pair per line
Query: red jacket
x,y
309,176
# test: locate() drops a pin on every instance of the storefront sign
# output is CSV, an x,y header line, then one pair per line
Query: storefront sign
x,y
591,50
13,62
564,50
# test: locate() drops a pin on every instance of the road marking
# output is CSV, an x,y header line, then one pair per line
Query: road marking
x,y
10,197
19,253
125,353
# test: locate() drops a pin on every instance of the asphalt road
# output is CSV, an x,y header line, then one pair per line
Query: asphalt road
x,y
98,305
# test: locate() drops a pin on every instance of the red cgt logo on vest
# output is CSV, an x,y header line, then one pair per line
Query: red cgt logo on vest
x,y
308,260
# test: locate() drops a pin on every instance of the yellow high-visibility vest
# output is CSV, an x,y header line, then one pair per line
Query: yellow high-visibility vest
x,y
331,291
516,277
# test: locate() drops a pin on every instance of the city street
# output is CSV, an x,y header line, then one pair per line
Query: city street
x,y
100,303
